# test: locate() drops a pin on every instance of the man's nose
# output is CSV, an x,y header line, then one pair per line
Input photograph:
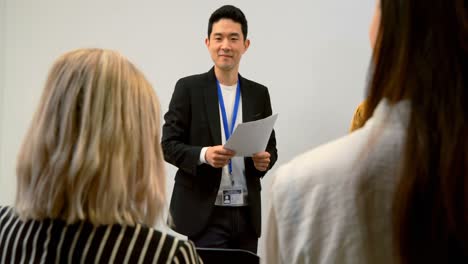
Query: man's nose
x,y
225,45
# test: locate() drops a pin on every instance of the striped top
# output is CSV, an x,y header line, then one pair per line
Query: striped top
x,y
53,241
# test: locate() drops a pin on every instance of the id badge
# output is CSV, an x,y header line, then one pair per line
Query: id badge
x,y
233,197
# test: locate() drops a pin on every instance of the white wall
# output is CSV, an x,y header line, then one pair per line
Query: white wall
x,y
312,54
5,182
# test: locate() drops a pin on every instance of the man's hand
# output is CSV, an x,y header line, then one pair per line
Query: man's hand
x,y
218,156
261,160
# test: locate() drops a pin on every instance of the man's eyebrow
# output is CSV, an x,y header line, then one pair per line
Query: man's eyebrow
x,y
230,34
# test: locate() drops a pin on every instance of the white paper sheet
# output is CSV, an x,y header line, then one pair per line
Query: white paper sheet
x,y
251,137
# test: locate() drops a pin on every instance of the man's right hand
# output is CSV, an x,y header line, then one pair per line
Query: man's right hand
x,y
218,156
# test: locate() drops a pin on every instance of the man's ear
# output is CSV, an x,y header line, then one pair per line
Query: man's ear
x,y
207,42
246,44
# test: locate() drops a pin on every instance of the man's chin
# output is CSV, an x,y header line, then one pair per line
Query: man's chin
x,y
225,67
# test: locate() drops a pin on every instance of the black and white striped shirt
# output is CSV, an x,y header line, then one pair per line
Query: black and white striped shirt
x,y
53,241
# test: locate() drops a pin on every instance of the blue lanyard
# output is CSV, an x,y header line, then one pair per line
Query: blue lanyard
x,y
228,130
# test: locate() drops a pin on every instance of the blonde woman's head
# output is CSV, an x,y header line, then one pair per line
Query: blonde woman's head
x,y
92,151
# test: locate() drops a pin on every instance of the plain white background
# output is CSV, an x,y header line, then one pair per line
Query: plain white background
x,y
311,54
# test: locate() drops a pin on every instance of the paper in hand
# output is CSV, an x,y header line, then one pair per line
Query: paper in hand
x,y
251,137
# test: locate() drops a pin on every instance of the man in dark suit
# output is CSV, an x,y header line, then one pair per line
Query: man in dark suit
x,y
216,196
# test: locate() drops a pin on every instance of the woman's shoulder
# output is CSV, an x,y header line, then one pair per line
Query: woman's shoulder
x,y
345,158
6,212
169,247
137,242
324,163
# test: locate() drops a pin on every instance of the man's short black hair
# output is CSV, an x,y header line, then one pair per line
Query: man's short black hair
x,y
228,12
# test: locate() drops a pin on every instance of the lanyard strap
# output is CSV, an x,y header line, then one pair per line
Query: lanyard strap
x,y
228,130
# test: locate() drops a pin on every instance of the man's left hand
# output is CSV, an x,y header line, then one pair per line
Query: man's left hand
x,y
261,160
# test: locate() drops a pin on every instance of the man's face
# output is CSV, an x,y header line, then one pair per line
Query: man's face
x,y
226,44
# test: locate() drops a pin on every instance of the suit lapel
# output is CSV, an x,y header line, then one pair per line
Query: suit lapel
x,y
248,101
211,107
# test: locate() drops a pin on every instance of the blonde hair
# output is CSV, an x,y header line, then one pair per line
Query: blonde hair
x,y
358,120
92,151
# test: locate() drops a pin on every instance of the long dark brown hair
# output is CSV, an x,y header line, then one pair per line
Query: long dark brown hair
x,y
421,55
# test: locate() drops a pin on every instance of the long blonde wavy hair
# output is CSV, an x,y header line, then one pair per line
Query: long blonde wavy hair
x,y
92,151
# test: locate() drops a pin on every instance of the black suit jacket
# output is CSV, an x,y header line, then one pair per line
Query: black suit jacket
x,y
191,123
